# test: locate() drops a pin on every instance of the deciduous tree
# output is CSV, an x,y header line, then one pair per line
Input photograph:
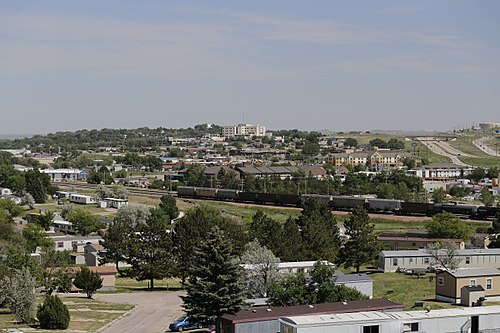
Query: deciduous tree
x,y
447,225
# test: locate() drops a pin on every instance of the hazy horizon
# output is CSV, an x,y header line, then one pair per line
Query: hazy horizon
x,y
338,66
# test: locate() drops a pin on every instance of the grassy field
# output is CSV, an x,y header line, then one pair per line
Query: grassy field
x,y
124,284
464,144
87,315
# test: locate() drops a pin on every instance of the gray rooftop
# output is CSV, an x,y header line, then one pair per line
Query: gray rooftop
x,y
474,272
423,253
353,278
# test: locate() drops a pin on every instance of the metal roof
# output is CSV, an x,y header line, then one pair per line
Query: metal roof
x,y
473,272
424,253
353,278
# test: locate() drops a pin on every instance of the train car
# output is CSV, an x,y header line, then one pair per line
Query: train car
x,y
266,198
206,192
227,194
186,191
468,210
384,205
484,212
322,199
249,197
288,200
347,202
415,208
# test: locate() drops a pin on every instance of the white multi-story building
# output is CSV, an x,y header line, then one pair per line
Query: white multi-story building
x,y
243,130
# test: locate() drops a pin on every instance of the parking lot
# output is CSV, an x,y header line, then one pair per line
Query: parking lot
x,y
153,313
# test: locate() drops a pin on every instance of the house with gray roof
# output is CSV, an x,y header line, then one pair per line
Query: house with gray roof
x,y
361,282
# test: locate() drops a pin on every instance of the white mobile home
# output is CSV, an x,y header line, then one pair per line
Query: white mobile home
x,y
81,199
115,203
390,261
473,320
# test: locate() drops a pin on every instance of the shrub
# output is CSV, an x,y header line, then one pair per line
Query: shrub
x,y
53,314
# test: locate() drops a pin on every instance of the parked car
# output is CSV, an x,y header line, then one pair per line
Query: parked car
x,y
183,323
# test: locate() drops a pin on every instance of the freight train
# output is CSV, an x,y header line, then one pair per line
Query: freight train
x,y
339,202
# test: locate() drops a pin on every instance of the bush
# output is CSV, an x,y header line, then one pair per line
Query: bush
x,y
53,314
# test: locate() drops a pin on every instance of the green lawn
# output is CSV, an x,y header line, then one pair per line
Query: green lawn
x,y
124,284
87,315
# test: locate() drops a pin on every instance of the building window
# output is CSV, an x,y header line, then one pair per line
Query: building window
x,y
472,283
60,244
410,327
489,284
426,260
411,260
394,261
371,329
441,281
467,260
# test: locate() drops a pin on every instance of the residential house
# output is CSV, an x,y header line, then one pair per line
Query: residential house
x,y
73,243
5,191
414,242
390,261
361,282
115,203
474,320
266,319
449,283
81,199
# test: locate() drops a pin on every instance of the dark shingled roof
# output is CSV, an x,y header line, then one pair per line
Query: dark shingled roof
x,y
273,313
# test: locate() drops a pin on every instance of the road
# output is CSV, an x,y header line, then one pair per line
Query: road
x,y
479,143
153,313
439,149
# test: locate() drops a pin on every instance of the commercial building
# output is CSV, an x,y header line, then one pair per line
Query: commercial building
x,y
62,175
449,284
246,130
390,261
441,171
378,159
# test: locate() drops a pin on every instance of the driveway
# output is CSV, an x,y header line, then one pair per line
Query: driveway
x,y
153,313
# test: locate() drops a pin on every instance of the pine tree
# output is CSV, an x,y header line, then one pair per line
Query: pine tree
x,y
362,244
292,242
88,281
214,285
53,313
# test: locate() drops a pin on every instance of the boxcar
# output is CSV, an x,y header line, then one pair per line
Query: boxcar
x,y
247,197
415,208
320,198
266,198
346,202
288,200
186,192
384,205
206,192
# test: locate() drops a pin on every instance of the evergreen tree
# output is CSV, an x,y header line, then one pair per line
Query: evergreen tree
x,y
362,244
292,242
53,313
169,206
439,195
214,285
267,231
320,234
150,249
87,281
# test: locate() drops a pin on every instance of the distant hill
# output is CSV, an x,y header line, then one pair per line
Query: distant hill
x,y
15,136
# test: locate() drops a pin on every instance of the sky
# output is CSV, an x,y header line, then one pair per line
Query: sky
x,y
311,65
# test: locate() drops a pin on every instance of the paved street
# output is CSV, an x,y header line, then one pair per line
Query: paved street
x,y
153,312
480,143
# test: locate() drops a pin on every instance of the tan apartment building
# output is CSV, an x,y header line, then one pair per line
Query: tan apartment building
x,y
390,261
407,242
371,158
449,284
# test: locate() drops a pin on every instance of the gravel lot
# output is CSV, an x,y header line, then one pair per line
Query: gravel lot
x,y
153,313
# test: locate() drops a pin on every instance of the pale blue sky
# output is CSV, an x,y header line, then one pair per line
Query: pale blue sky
x,y
338,65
